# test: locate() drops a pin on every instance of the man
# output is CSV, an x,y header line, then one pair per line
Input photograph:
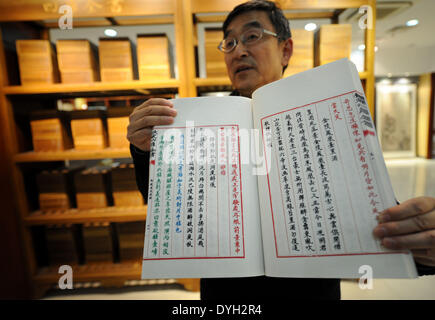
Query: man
x,y
258,46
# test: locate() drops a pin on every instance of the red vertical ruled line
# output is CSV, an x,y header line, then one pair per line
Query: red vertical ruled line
x,y
327,164
268,184
296,216
172,229
217,189
281,196
163,184
319,183
206,195
241,191
229,195
347,186
183,203
194,193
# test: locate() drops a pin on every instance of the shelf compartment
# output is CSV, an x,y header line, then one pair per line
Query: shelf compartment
x,y
93,272
67,88
76,216
71,154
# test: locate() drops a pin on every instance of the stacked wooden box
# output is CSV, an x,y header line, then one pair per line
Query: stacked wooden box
x,y
62,244
153,57
333,42
93,188
303,52
124,187
116,63
77,61
50,131
215,64
56,189
89,129
131,240
37,62
117,123
98,242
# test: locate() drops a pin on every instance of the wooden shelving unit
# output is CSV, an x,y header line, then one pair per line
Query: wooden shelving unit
x,y
111,214
72,154
183,14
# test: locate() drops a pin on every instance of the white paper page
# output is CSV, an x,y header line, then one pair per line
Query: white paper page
x,y
327,180
203,218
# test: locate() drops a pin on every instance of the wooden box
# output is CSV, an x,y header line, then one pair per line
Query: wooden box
x,y
153,57
62,244
77,61
303,52
89,129
117,123
37,62
93,188
50,131
124,188
98,242
116,62
215,64
131,240
56,189
334,42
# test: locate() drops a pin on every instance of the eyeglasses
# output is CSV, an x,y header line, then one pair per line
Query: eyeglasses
x,y
249,37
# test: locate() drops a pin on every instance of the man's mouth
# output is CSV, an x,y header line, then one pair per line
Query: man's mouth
x,y
243,68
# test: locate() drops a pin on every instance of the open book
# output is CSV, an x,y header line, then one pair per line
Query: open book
x,y
286,184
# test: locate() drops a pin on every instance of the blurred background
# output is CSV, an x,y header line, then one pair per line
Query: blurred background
x,y
72,71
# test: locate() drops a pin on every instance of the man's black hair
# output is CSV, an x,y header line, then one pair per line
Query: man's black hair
x,y
275,14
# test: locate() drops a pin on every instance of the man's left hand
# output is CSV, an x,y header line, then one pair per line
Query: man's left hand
x,y
410,225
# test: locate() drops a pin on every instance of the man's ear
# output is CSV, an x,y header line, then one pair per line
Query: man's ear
x,y
287,51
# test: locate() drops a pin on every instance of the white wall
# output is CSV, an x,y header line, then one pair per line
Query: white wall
x,y
398,61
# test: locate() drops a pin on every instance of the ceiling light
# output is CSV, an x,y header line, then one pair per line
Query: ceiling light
x,y
361,47
411,23
110,32
403,81
310,26
376,48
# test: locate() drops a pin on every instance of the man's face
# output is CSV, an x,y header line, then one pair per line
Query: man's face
x,y
250,67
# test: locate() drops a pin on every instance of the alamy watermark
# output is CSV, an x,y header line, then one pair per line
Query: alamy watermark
x,y
66,280
66,20
204,146
366,280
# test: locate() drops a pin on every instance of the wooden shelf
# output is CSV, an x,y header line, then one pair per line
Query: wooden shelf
x,y
71,216
66,88
225,81
93,272
71,154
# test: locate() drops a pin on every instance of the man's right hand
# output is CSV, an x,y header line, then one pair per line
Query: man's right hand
x,y
153,112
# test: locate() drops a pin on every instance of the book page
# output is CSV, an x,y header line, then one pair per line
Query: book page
x,y
203,215
326,179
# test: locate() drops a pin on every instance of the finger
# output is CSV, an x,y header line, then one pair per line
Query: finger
x,y
426,261
157,110
140,139
155,101
150,121
420,240
407,209
411,225
422,253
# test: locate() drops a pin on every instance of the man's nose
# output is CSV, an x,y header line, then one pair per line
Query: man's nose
x,y
240,50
